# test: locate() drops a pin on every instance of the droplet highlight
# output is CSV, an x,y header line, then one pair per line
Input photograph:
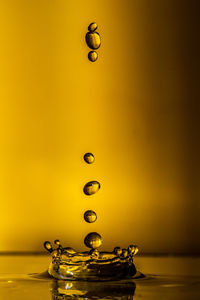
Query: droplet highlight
x,y
89,158
90,216
93,240
92,56
91,188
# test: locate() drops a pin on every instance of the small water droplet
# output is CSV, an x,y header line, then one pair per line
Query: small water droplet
x,y
48,246
91,188
92,27
133,249
92,56
89,158
90,216
94,253
93,240
93,40
124,252
57,242
117,251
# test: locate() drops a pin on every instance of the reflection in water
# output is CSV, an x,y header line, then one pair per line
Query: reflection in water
x,y
43,287
93,290
181,281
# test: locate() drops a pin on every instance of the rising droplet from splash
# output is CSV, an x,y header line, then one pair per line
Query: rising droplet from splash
x,y
91,188
57,242
90,216
48,246
89,158
93,240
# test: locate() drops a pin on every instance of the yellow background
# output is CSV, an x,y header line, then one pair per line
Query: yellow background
x,y
136,109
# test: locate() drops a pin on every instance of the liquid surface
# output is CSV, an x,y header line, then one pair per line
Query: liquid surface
x,y
166,278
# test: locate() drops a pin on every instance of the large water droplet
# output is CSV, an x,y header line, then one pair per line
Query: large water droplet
x,y
89,158
91,188
90,216
93,40
93,240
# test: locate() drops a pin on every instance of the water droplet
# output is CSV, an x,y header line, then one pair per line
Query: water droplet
x,y
94,253
90,216
57,242
92,56
89,158
133,249
91,188
117,251
93,40
92,27
48,246
124,252
93,240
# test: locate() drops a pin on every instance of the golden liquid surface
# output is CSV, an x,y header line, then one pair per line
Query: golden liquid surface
x,y
176,278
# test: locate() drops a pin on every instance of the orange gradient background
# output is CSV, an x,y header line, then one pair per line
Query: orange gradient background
x,y
136,109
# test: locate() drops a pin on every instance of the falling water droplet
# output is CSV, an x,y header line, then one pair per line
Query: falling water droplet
x,y
90,216
93,40
93,240
89,158
91,188
92,27
92,56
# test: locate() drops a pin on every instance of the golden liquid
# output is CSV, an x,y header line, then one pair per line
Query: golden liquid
x,y
135,108
173,281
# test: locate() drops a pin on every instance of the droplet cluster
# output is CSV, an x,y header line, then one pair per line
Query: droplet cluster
x,y
93,240
93,40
